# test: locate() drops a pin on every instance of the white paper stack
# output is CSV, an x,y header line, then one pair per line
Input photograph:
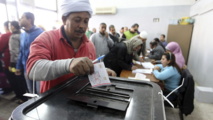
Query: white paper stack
x,y
147,65
140,76
146,71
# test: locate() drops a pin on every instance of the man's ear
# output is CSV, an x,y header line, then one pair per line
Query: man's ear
x,y
64,18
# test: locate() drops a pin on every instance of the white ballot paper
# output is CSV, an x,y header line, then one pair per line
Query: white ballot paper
x,y
100,76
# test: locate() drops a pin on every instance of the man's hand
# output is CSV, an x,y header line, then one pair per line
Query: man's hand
x,y
156,68
81,66
18,72
106,34
111,72
153,61
141,59
134,67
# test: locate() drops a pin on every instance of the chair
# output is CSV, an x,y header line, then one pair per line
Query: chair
x,y
185,95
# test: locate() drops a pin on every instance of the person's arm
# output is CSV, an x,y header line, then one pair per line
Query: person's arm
x,y
110,41
143,49
124,36
118,35
92,38
40,59
155,55
136,57
48,70
3,44
165,74
19,60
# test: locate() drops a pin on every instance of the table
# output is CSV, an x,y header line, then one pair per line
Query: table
x,y
128,73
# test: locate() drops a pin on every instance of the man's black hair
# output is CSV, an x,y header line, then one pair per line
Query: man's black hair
x,y
103,24
135,25
6,24
163,35
111,26
31,16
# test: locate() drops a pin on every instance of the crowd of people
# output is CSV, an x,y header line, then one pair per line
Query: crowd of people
x,y
48,58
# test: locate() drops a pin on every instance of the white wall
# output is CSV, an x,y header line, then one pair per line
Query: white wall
x,y
139,3
144,17
201,52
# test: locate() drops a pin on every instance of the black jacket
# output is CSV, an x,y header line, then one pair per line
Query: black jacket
x,y
186,93
118,58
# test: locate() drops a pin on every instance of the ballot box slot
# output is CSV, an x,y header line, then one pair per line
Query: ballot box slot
x,y
113,97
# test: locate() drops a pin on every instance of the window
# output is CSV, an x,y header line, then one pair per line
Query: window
x,y
3,19
46,4
45,18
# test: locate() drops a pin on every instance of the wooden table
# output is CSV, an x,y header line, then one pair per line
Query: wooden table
x,y
127,73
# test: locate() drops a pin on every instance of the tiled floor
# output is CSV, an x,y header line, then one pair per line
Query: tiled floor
x,y
202,111
6,106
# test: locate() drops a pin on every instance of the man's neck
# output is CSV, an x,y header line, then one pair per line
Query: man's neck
x,y
131,31
76,43
102,33
113,33
163,40
27,28
7,31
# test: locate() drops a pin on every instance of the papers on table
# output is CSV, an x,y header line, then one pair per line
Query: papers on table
x,y
140,76
100,76
145,64
148,51
146,71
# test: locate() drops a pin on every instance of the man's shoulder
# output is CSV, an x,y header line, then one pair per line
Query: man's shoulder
x,y
126,32
95,34
51,34
5,35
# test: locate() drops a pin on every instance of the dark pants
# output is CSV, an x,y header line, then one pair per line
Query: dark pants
x,y
172,97
18,84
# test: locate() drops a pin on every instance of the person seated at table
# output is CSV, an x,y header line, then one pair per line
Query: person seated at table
x,y
176,50
156,52
169,72
121,55
158,41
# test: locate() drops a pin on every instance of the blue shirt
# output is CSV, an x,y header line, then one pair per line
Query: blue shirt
x,y
26,39
169,75
164,43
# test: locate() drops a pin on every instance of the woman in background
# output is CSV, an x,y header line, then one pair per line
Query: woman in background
x,y
176,50
121,55
168,71
19,84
